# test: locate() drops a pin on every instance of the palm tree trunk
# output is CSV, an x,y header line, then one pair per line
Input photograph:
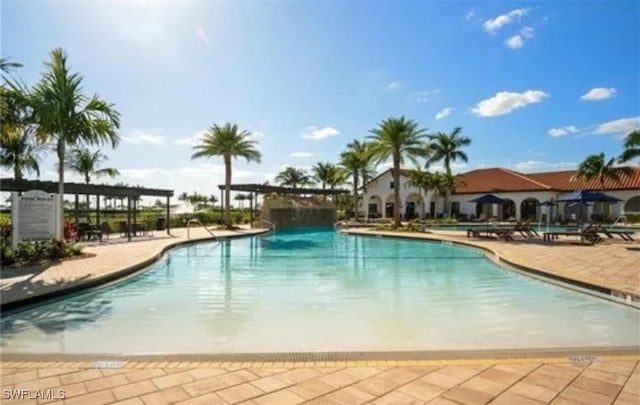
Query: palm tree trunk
x,y
17,173
355,195
227,191
87,181
60,149
396,191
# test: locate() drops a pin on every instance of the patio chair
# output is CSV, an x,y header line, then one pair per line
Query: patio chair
x,y
106,230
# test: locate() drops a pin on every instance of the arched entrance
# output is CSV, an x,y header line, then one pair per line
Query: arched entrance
x,y
413,207
632,206
507,210
375,206
529,209
388,206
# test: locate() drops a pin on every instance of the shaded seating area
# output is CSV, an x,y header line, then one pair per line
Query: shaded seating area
x,y
87,231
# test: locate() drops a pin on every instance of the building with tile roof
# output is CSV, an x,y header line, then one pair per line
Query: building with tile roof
x,y
522,192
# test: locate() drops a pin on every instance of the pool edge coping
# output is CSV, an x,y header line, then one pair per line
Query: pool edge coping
x,y
604,292
117,275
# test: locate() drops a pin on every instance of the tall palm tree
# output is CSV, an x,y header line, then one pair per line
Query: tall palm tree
x,y
596,167
229,142
88,164
19,152
293,177
67,117
212,199
448,148
398,139
631,146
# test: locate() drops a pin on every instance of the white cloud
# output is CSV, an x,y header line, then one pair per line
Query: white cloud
x,y
623,125
393,86
258,135
445,112
191,140
505,102
557,132
470,15
300,154
517,40
494,24
599,93
538,166
317,134
137,136
425,96
146,173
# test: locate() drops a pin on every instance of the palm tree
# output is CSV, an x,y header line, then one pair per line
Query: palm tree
x,y
87,164
293,177
212,199
229,142
20,153
7,66
447,148
240,198
596,167
323,173
67,117
631,146
356,162
420,179
397,138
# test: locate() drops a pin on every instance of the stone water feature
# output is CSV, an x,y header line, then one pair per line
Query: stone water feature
x,y
290,212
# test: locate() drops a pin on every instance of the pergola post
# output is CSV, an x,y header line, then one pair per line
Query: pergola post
x,y
168,222
98,209
76,212
129,218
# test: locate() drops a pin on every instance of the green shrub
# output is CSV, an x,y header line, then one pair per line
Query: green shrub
x,y
5,226
208,217
6,253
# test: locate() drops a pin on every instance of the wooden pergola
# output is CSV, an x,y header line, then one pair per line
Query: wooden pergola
x,y
255,189
132,193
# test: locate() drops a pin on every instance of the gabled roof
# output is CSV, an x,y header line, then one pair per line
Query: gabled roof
x,y
403,172
497,179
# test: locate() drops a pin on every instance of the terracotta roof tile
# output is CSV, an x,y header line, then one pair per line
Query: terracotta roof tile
x,y
497,179
564,180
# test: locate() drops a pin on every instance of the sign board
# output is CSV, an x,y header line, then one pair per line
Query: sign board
x,y
34,216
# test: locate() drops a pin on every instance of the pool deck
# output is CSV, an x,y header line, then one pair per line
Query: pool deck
x,y
532,379
613,265
518,382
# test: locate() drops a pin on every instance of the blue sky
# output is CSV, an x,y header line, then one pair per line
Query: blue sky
x,y
536,85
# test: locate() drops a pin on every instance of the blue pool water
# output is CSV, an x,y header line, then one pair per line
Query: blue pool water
x,y
317,290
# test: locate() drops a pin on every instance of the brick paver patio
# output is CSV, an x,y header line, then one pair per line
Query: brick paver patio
x,y
559,381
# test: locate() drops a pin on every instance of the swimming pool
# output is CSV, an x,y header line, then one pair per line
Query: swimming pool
x,y
318,290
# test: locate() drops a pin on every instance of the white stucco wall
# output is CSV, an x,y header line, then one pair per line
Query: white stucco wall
x,y
381,188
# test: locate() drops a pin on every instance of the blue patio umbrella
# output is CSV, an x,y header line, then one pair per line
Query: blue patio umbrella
x,y
582,197
487,199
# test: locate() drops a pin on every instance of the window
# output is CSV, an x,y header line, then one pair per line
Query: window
x,y
391,185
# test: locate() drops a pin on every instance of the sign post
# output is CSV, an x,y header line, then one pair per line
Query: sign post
x,y
34,216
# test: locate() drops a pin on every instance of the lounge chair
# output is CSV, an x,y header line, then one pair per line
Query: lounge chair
x,y
589,234
610,233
